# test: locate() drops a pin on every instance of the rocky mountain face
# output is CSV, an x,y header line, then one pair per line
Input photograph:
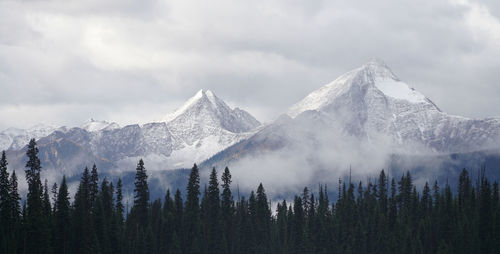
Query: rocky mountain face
x,y
361,118
371,101
203,126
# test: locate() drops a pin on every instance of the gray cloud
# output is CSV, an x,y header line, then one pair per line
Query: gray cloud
x,y
133,61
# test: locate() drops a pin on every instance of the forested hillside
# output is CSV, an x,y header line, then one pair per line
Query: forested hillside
x,y
383,216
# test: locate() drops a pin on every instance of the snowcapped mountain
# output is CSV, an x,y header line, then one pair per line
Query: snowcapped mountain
x,y
203,126
14,138
365,112
92,125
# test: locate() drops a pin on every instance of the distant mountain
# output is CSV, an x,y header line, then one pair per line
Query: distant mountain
x,y
365,120
14,138
361,119
203,126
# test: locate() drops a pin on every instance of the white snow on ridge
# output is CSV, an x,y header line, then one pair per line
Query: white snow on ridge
x,y
399,90
190,102
14,138
93,125
371,101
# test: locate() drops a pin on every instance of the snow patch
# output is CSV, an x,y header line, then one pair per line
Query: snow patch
x,y
399,90
184,107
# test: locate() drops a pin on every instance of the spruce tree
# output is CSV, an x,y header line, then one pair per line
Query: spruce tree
x,y
47,217
119,208
263,217
36,241
227,209
192,223
118,230
141,197
5,206
62,220
93,185
15,225
4,192
214,218
15,198
84,238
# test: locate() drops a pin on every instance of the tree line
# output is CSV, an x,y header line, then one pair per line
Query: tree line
x,y
384,216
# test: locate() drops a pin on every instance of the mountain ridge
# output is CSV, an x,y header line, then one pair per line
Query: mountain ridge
x,y
204,126
367,110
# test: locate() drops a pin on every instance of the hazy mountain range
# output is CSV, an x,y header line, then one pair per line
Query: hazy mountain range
x,y
361,119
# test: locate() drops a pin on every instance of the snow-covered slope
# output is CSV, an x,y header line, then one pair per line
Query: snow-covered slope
x,y
201,127
14,138
205,125
93,125
365,112
371,101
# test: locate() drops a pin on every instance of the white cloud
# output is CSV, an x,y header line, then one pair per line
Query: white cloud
x,y
116,57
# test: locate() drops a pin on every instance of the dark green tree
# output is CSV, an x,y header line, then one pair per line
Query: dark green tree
x,y
141,197
36,239
215,227
191,219
62,229
227,210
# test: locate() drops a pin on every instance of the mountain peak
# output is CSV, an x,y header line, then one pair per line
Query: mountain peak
x,y
93,125
377,69
370,80
201,97
206,109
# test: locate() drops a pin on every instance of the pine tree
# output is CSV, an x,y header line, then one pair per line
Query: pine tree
x,y
141,198
15,209
179,217
93,185
47,217
263,218
118,230
382,192
62,220
36,241
298,226
167,222
227,209
5,206
214,217
15,215
119,209
192,223
54,192
4,191
84,238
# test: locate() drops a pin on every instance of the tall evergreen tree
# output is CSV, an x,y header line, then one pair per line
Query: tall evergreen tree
x,y
141,197
84,238
15,226
62,220
15,198
5,205
263,217
119,208
36,240
4,191
227,210
93,185
192,223
215,227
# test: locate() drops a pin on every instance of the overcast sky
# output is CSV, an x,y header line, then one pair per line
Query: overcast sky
x,y
130,61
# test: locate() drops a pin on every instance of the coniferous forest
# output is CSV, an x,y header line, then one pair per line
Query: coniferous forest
x,y
384,216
